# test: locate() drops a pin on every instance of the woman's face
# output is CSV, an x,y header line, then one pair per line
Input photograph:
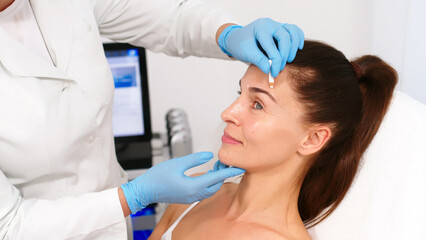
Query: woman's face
x,y
263,126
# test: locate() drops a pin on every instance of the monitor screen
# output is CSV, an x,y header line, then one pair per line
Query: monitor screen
x,y
131,116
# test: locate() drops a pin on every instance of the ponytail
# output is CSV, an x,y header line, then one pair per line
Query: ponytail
x,y
377,83
352,97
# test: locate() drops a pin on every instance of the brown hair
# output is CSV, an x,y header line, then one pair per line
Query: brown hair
x,y
352,97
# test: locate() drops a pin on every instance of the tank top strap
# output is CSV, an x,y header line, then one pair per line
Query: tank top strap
x,y
168,234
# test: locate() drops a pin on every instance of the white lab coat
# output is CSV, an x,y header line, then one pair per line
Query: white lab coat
x,y
59,173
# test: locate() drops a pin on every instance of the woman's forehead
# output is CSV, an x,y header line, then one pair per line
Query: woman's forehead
x,y
254,77
283,94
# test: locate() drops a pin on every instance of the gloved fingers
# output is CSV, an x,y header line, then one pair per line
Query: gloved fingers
x,y
219,165
296,31
267,42
294,41
216,165
212,178
260,60
302,38
284,43
210,191
186,162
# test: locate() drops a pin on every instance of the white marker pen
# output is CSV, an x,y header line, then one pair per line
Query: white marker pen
x,y
271,79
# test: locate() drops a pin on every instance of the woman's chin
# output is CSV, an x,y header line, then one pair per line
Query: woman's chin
x,y
228,158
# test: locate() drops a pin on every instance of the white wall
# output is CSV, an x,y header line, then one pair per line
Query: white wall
x,y
398,37
205,87
413,74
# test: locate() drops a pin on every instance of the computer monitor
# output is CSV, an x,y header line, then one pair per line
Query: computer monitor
x,y
131,112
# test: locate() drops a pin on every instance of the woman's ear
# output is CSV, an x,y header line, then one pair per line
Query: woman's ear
x,y
315,140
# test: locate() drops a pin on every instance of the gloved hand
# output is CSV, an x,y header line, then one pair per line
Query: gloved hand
x,y
242,43
218,165
166,182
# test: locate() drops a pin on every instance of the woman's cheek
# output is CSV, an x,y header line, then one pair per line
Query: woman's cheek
x,y
258,131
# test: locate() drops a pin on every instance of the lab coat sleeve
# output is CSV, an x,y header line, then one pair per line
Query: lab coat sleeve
x,y
83,217
175,27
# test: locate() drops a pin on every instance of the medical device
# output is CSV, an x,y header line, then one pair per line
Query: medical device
x,y
131,111
179,133
271,79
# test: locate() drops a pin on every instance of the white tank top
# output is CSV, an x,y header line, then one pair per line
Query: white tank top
x,y
168,234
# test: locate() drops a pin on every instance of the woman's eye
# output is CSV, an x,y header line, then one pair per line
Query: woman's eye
x,y
257,106
239,92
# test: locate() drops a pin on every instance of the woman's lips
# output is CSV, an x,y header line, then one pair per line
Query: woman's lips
x,y
226,138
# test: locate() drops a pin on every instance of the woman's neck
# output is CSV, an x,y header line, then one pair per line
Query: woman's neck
x,y
268,198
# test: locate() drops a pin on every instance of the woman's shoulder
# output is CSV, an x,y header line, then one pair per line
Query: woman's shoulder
x,y
176,210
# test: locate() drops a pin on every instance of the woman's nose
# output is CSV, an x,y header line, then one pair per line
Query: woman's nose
x,y
233,113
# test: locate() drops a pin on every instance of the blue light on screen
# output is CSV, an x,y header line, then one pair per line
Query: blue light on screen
x,y
124,77
132,52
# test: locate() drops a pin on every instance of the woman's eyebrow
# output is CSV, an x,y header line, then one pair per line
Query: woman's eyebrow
x,y
259,90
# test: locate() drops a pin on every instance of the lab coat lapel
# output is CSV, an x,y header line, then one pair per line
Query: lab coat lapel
x,y
19,61
55,25
16,58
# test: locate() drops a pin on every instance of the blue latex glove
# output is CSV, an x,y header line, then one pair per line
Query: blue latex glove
x,y
242,43
166,182
218,165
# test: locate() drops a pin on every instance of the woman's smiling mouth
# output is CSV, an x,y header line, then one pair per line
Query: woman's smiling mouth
x,y
226,138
